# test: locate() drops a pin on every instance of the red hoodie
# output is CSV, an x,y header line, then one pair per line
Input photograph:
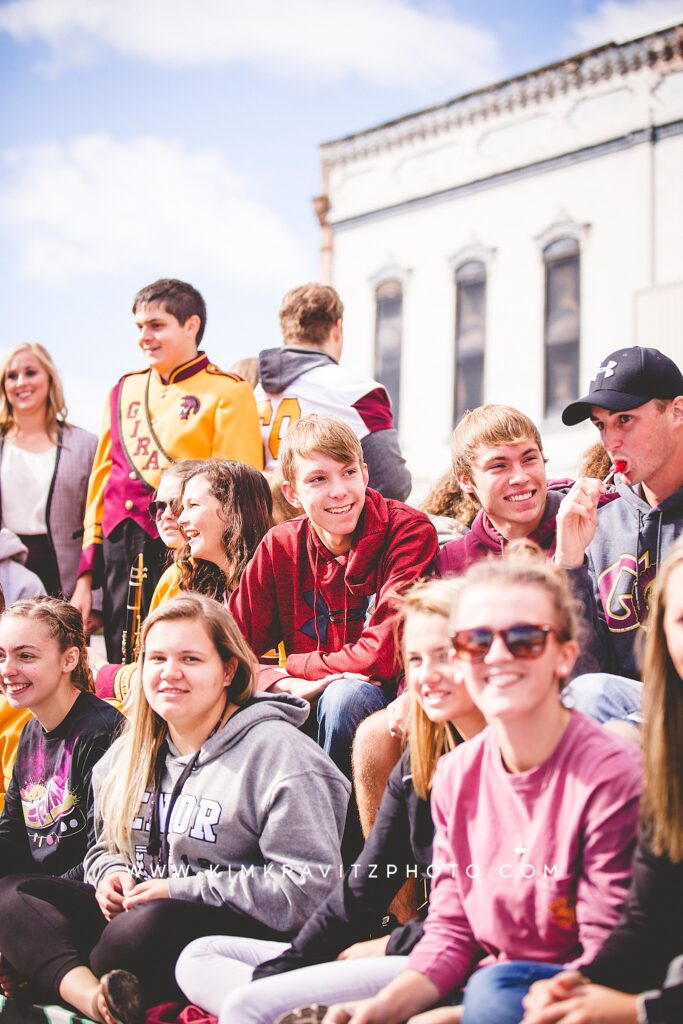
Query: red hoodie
x,y
352,628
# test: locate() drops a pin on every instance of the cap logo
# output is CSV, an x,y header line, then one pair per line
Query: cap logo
x,y
608,370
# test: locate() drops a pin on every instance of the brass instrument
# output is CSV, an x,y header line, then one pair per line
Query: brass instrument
x,y
130,639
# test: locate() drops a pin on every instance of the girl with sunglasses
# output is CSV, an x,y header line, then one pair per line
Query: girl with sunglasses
x,y
535,818
637,976
214,813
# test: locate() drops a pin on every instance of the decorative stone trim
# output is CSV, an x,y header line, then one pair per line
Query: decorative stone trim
x,y
657,51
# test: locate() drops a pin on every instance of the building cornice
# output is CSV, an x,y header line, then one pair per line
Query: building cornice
x,y
649,135
656,51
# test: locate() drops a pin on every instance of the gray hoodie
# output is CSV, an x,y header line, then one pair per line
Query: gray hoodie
x,y
257,824
631,540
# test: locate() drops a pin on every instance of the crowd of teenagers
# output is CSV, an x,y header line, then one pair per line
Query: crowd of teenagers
x,y
364,763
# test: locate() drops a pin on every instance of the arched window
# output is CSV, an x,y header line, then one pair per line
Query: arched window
x,y
388,316
470,336
562,324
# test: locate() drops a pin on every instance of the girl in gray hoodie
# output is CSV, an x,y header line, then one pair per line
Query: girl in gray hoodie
x,y
214,814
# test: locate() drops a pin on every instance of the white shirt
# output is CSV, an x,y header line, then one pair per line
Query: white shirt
x,y
25,479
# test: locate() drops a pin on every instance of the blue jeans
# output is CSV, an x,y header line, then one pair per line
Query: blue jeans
x,y
494,994
341,709
606,698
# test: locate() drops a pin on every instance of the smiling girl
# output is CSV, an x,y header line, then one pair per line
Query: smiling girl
x,y
201,825
341,938
45,463
535,818
226,511
47,822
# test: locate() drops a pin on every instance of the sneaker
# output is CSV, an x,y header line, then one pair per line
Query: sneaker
x,y
304,1015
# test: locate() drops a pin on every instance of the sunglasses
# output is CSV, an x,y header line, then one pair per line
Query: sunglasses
x,y
522,641
159,508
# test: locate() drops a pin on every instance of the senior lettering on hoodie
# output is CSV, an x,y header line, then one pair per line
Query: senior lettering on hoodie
x,y
256,825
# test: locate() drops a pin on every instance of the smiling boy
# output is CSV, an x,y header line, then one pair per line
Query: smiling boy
x,y
498,458
181,406
324,584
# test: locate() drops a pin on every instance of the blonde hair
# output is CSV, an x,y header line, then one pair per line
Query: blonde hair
x,y
125,785
308,314
56,406
428,740
64,625
317,433
662,803
486,427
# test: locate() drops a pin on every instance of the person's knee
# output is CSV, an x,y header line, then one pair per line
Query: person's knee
x,y
133,934
346,703
371,734
242,1005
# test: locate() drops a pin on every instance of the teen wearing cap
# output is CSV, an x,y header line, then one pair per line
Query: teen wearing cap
x,y
635,400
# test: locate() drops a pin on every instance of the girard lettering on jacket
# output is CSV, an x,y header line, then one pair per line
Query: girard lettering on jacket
x,y
194,816
626,591
138,439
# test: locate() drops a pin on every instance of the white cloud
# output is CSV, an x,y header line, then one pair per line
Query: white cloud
x,y
619,20
97,205
391,42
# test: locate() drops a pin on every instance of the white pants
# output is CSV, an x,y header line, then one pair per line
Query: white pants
x,y
215,973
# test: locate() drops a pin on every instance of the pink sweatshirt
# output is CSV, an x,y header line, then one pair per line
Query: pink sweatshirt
x,y
532,866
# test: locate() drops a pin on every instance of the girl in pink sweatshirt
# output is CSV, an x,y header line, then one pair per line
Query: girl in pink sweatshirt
x,y
535,818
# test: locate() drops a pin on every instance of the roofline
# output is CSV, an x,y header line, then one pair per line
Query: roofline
x,y
566,63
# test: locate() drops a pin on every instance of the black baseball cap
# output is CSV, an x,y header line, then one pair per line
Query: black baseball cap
x,y
626,379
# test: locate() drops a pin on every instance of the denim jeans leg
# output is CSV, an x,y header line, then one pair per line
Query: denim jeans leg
x,y
494,994
605,697
341,709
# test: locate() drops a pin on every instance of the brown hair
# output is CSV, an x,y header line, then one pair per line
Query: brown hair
x,y
246,510
486,427
447,498
65,625
317,433
662,803
178,298
308,314
56,406
428,740
132,773
595,462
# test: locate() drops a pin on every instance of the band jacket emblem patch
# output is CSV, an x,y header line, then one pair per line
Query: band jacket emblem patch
x,y
188,406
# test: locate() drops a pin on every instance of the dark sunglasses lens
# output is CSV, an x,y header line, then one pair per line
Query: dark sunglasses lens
x,y
472,644
157,508
525,641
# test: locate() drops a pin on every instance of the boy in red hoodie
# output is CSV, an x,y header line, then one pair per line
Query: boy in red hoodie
x,y
324,584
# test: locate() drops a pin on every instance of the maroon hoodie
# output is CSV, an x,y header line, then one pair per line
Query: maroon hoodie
x,y
335,614
484,539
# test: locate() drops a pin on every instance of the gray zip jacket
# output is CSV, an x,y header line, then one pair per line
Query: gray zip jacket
x,y
256,826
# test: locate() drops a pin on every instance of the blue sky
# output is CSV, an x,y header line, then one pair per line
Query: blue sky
x,y
149,138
